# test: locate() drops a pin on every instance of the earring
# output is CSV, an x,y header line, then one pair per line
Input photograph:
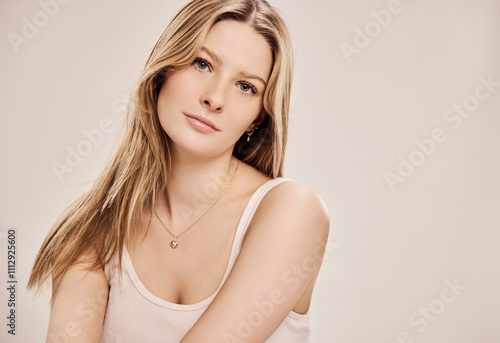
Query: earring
x,y
250,133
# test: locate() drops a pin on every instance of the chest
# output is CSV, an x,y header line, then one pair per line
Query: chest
x,y
193,270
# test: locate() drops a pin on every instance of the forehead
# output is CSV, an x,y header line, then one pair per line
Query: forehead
x,y
239,46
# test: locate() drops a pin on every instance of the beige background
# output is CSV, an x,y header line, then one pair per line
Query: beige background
x,y
393,251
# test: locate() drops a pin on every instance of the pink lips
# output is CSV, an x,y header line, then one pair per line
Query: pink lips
x,y
201,123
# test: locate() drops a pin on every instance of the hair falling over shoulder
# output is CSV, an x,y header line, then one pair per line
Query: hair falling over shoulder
x,y
99,222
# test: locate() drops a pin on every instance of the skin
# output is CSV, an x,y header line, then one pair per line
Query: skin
x,y
286,227
214,87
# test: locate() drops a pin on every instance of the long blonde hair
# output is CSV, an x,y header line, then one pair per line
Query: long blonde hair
x,y
104,217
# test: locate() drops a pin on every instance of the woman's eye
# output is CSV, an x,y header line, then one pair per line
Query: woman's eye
x,y
201,64
248,88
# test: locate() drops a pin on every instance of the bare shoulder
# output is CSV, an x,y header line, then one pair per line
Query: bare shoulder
x,y
292,199
290,212
294,191
80,302
282,195
83,268
287,207
82,277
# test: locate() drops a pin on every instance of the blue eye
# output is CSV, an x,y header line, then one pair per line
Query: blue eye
x,y
248,88
201,63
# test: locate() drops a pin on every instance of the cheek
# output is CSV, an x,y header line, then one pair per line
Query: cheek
x,y
172,93
246,112
166,109
171,89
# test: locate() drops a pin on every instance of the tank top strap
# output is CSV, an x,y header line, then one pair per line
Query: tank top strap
x,y
252,205
246,218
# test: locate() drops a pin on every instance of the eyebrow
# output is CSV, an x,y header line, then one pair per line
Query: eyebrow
x,y
212,54
243,74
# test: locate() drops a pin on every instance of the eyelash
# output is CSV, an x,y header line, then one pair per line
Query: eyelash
x,y
253,89
199,59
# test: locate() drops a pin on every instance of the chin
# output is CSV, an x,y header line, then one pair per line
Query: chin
x,y
194,145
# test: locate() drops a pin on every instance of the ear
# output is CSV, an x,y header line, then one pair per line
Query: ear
x,y
260,118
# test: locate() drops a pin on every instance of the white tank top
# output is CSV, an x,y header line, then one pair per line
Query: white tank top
x,y
136,315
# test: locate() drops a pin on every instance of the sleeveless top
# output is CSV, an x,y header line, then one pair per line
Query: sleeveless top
x,y
135,315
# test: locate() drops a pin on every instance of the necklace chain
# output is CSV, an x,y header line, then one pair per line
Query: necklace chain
x,y
174,242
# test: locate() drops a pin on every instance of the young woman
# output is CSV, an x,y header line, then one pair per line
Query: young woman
x,y
191,234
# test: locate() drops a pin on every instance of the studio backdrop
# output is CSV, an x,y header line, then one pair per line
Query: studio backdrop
x,y
394,122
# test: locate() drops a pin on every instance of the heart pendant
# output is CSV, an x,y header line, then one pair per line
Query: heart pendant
x,y
174,244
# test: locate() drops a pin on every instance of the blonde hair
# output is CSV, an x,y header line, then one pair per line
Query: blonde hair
x,y
104,217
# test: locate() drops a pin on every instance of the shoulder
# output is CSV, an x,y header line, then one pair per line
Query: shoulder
x,y
290,206
292,198
83,273
286,200
80,300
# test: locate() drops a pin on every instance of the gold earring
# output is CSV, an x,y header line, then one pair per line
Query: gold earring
x,y
249,134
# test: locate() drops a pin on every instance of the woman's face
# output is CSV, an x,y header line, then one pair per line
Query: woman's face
x,y
205,107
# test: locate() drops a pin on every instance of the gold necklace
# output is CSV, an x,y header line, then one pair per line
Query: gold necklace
x,y
174,243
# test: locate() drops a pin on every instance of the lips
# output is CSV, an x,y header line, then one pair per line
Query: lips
x,y
203,120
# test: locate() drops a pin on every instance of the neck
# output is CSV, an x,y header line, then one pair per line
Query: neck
x,y
193,185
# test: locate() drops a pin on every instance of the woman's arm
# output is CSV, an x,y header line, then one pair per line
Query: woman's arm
x,y
78,308
280,255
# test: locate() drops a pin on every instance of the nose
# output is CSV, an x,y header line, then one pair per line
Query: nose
x,y
213,97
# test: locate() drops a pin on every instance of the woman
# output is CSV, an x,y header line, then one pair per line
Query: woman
x,y
191,233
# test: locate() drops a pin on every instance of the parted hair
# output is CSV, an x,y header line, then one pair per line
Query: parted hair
x,y
137,173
